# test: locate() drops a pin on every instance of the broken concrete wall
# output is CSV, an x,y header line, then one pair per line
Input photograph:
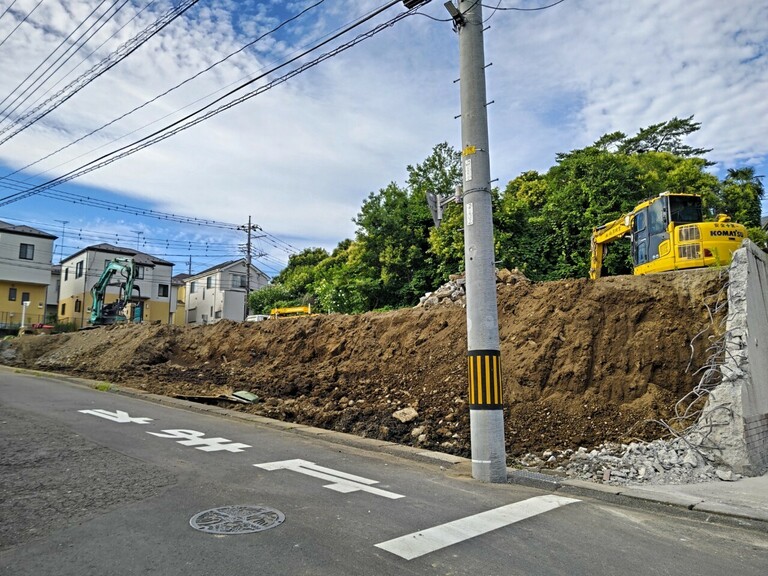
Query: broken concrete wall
x,y
737,410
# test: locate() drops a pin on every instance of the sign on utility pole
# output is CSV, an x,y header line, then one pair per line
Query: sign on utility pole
x,y
486,417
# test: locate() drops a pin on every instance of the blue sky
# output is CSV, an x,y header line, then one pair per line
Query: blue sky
x,y
300,158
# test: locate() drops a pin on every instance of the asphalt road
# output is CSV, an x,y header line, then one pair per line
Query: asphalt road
x,y
97,483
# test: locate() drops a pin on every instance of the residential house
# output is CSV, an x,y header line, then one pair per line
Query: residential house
x,y
26,258
220,292
80,272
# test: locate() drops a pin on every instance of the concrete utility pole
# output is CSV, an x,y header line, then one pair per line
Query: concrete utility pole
x,y
249,228
486,416
61,246
247,269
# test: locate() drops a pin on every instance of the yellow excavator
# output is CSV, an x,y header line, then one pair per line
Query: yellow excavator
x,y
668,233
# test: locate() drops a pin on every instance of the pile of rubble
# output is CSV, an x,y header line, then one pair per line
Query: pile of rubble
x,y
453,292
658,462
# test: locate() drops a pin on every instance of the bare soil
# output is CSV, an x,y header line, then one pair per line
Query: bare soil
x,y
584,362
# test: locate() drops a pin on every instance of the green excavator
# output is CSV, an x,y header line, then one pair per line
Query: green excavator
x,y
103,314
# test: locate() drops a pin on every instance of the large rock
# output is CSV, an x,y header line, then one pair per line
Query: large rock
x,y
406,415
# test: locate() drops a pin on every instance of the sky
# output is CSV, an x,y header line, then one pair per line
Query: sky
x,y
300,157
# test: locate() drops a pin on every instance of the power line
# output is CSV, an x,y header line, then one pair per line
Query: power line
x,y
20,23
213,248
267,237
168,91
8,8
86,58
99,69
180,125
524,9
27,92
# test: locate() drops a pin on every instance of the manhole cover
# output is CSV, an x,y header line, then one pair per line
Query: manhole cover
x,y
236,519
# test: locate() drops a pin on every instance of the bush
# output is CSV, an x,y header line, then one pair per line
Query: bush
x,y
64,327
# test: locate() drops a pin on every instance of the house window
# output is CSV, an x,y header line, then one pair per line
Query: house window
x,y
78,305
79,269
27,251
209,282
25,296
63,308
162,290
66,273
192,287
238,280
139,272
12,294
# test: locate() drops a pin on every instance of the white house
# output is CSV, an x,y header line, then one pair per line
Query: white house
x,y
220,292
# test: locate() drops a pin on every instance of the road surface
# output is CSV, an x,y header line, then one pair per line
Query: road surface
x,y
93,482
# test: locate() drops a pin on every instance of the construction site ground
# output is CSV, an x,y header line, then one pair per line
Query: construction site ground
x,y
584,362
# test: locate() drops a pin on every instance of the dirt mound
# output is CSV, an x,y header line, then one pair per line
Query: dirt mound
x,y
584,362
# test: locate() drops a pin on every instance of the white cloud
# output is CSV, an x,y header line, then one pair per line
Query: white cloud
x,y
302,157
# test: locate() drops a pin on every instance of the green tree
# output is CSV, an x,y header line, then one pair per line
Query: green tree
x,y
344,283
741,195
663,137
394,230
273,296
297,277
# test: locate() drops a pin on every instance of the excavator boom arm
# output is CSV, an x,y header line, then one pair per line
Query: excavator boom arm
x,y
603,235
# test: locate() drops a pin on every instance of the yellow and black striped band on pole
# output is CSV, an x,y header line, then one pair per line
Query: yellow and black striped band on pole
x,y
484,369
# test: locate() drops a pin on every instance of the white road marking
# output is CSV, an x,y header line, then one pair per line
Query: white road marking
x,y
195,438
341,481
425,541
117,416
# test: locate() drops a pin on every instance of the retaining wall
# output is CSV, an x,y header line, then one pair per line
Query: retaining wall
x,y
737,409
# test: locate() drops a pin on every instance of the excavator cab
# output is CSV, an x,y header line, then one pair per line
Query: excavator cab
x,y
650,224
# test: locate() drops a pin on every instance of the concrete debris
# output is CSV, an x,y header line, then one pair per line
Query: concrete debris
x,y
657,462
406,415
453,293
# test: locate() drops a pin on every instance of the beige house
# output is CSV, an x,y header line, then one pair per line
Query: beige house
x,y
80,272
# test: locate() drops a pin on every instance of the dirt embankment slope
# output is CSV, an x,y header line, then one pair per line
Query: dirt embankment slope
x,y
584,362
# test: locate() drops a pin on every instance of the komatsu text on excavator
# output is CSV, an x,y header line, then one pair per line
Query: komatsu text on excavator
x,y
668,233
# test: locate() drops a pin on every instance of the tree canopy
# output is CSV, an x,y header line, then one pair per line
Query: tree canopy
x,y
543,221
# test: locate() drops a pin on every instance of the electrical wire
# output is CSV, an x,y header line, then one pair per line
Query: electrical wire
x,y
98,70
271,239
7,8
524,9
27,92
329,37
190,120
86,58
20,23
268,238
168,91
